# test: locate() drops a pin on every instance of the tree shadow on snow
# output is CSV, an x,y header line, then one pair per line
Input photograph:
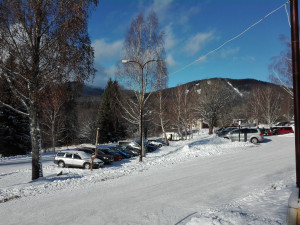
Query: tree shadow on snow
x,y
201,142
55,177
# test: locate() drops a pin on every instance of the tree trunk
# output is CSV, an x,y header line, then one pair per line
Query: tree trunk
x,y
210,129
53,136
163,130
143,154
37,170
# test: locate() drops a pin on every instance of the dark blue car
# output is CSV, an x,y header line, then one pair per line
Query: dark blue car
x,y
125,153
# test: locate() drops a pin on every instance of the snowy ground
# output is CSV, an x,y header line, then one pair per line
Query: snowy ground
x,y
206,180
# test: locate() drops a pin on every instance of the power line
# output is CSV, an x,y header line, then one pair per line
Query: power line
x,y
287,15
230,40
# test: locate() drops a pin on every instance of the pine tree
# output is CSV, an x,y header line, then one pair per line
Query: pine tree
x,y
110,122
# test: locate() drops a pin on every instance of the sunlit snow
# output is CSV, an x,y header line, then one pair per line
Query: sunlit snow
x,y
204,180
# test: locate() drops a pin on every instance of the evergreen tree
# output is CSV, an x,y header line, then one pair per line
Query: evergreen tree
x,y
110,122
119,121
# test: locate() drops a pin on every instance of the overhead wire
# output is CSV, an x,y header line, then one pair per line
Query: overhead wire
x,y
287,15
230,40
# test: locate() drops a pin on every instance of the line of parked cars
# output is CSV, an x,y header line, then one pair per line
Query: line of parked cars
x,y
106,154
253,135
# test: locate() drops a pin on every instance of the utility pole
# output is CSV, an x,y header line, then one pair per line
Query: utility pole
x,y
296,82
293,216
96,150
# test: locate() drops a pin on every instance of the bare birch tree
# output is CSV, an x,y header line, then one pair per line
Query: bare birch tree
x,y
178,107
159,104
48,42
142,51
265,103
212,99
281,68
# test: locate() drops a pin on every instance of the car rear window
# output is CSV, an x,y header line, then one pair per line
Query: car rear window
x,y
61,154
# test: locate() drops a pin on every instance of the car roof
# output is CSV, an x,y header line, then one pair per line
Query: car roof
x,y
76,152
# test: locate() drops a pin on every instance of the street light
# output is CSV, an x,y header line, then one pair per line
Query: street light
x,y
125,61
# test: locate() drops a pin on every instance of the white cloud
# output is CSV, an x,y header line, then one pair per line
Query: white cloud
x,y
197,42
111,71
170,61
161,8
244,59
102,76
170,40
228,52
107,52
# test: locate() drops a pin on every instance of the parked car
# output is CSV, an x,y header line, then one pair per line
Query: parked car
x,y
154,143
266,131
157,142
122,151
218,131
225,131
254,135
150,148
117,156
134,151
273,130
161,140
76,159
283,130
281,124
132,146
107,159
147,147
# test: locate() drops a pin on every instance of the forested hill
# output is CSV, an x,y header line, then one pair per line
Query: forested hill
x,y
241,85
91,91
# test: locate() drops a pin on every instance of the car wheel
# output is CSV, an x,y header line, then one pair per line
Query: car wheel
x,y
254,140
61,164
86,166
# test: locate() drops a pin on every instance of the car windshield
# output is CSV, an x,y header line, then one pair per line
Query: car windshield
x,y
84,155
88,151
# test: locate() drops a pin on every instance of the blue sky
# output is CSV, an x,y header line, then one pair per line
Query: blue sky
x,y
192,29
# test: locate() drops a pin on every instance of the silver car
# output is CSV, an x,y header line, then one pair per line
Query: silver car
x,y
76,159
254,135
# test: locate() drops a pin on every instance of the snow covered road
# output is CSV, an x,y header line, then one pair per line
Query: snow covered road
x,y
206,180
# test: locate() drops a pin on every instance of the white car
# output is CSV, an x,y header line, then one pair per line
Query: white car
x,y
76,159
254,135
157,142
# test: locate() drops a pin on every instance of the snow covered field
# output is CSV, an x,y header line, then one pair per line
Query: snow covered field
x,y
205,180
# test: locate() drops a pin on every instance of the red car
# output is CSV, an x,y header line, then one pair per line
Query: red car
x,y
283,130
117,156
